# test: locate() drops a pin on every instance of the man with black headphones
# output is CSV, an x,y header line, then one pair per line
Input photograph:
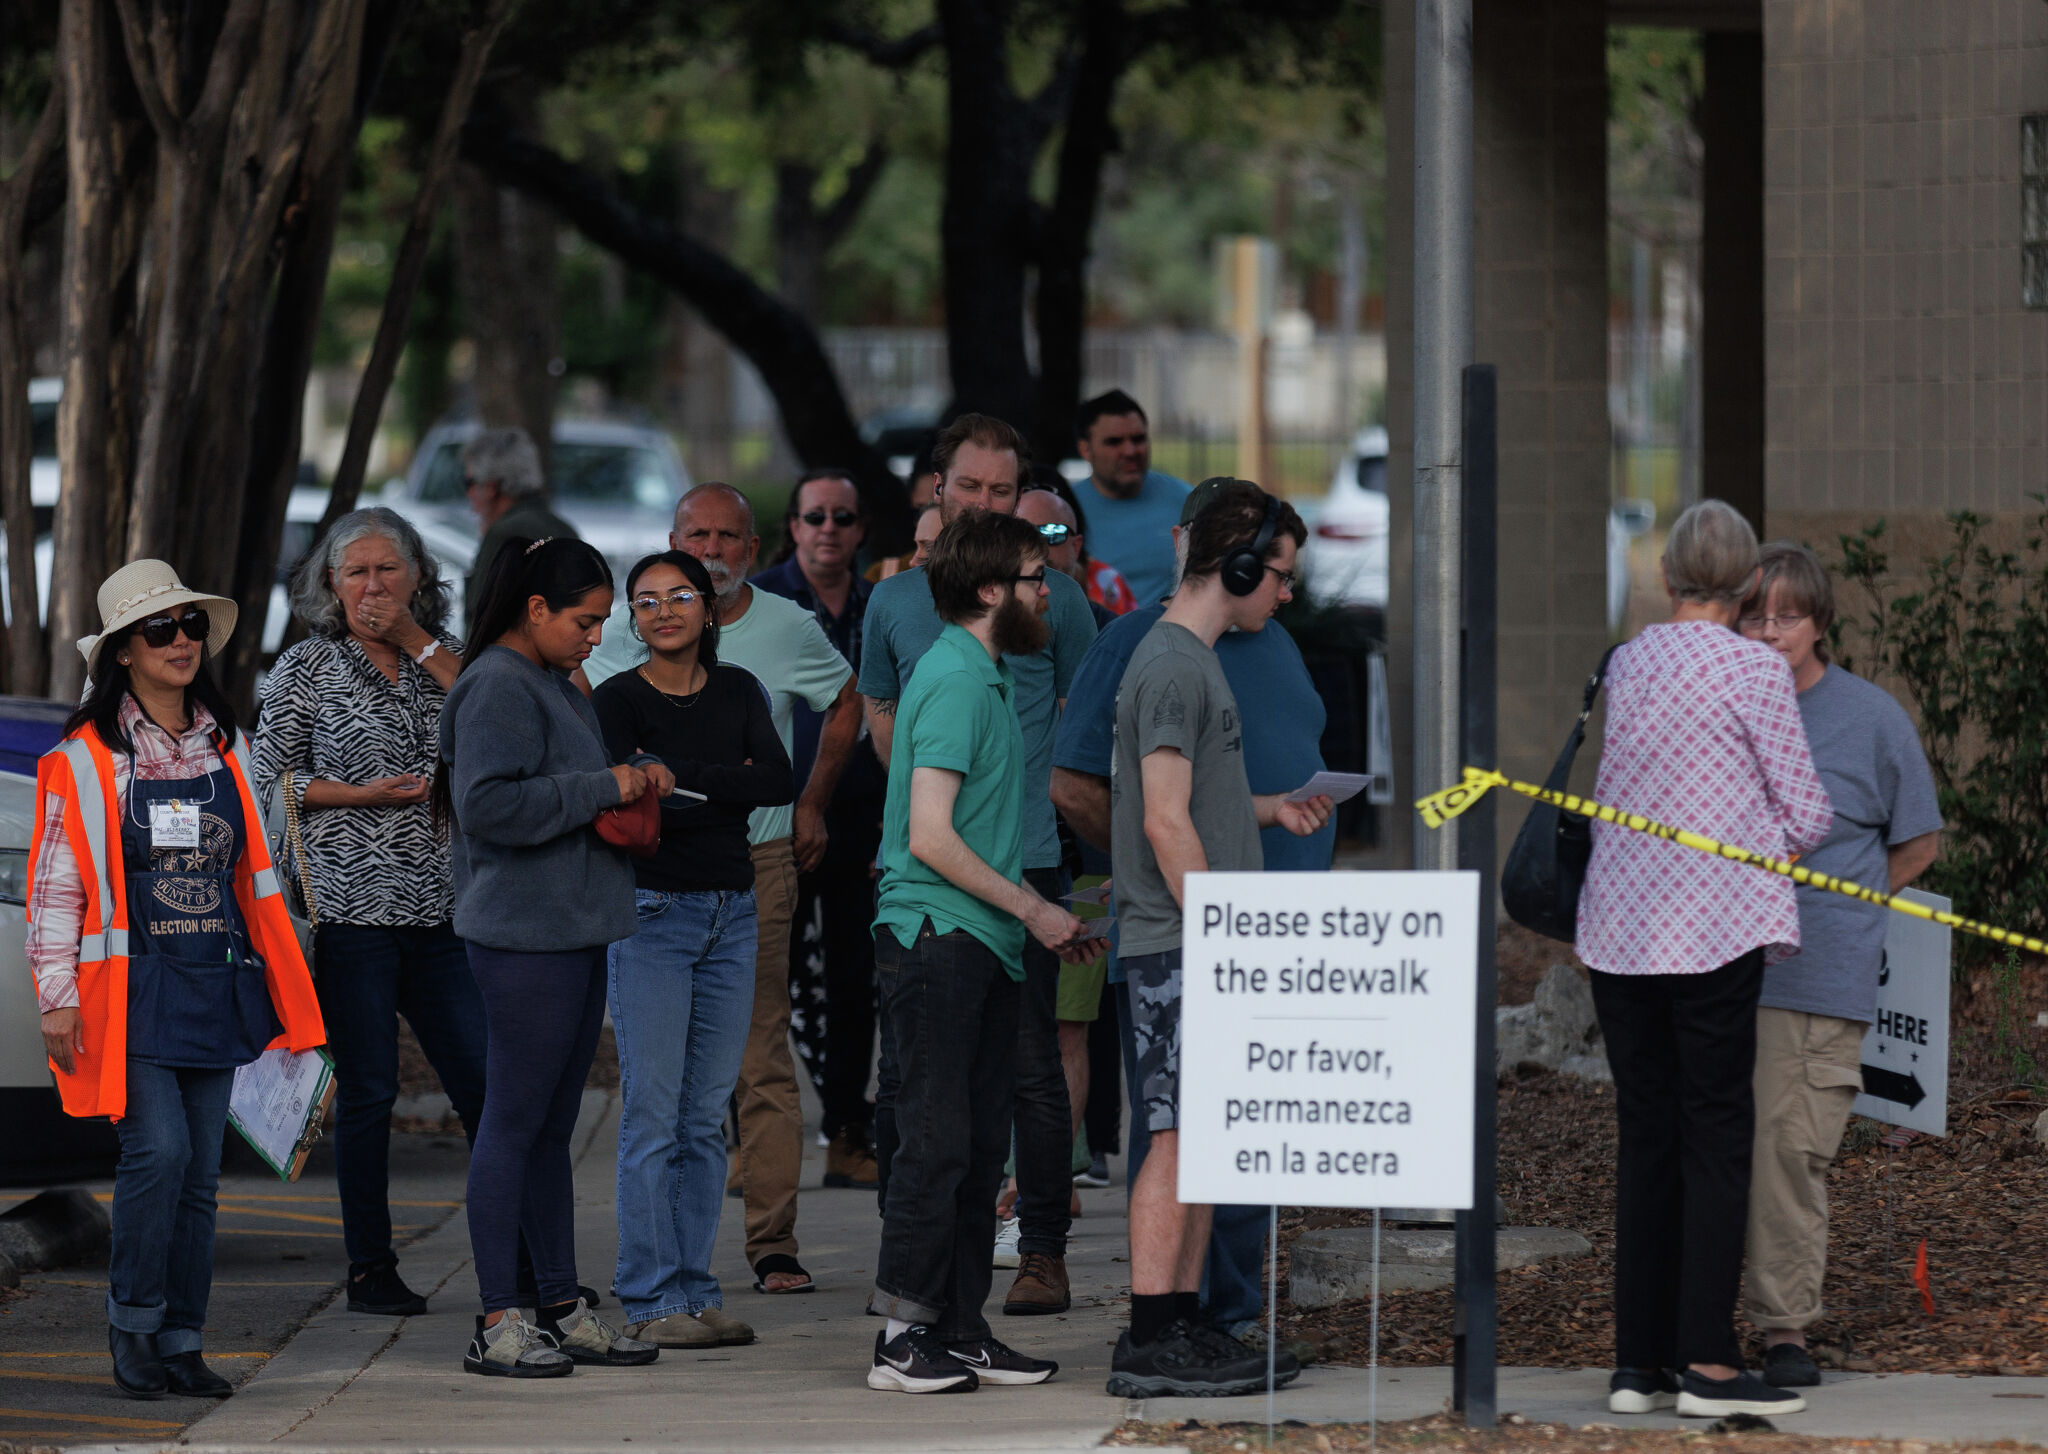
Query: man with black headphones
x,y
1179,804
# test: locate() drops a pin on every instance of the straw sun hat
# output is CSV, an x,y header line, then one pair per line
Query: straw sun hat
x,y
145,588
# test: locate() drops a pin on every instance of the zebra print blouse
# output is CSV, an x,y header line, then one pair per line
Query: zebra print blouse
x,y
329,713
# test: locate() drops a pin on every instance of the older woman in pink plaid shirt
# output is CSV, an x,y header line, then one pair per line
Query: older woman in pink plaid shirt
x,y
1703,732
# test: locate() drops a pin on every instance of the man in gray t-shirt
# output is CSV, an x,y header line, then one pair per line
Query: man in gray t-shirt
x,y
1816,1006
1180,804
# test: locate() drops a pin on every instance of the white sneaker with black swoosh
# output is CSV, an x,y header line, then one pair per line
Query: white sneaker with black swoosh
x,y
997,1362
915,1361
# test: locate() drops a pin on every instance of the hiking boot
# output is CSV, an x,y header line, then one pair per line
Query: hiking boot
x,y
915,1361
1787,1365
1287,1364
1641,1390
677,1330
997,1362
587,1338
1183,1363
1008,1230
849,1162
732,1333
376,1287
1700,1397
514,1348
1097,1173
1041,1286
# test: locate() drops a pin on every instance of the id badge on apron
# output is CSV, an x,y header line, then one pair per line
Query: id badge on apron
x,y
173,824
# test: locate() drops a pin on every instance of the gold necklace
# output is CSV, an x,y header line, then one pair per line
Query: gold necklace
x,y
670,698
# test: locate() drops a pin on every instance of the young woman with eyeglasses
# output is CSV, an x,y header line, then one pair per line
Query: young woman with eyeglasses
x,y
682,987
163,954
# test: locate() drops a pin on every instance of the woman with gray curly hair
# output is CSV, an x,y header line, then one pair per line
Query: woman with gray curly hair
x,y
353,714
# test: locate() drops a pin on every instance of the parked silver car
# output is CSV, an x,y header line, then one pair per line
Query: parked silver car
x,y
616,483
1345,562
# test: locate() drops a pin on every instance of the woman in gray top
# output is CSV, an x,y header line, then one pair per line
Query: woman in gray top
x,y
538,897
1817,1004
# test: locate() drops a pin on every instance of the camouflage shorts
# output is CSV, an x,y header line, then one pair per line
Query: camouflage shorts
x,y
1155,1034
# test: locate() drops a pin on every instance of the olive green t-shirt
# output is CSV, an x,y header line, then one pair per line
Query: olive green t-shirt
x,y
957,714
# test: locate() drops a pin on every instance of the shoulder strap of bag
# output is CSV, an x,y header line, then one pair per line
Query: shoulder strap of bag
x,y
296,844
1560,772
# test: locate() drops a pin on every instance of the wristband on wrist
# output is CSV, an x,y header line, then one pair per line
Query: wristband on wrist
x,y
428,650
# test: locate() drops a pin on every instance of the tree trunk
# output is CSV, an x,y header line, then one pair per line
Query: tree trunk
x,y
779,343
85,65
25,659
1064,239
985,225
505,245
706,353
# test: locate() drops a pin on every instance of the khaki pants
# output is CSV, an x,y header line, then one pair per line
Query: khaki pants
x,y
769,1111
1808,1072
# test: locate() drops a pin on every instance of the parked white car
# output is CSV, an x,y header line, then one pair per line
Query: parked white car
x,y
1345,562
616,483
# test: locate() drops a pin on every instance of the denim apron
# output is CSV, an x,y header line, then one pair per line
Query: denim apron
x,y
197,997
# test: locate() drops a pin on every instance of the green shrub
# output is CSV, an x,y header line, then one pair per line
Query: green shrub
x,y
1969,647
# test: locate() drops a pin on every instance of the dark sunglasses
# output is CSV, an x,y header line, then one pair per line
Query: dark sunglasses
x,y
160,630
1053,533
844,519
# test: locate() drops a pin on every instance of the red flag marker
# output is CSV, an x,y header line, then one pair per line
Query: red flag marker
x,y
1920,1279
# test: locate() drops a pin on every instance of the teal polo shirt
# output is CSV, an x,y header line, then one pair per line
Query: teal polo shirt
x,y
957,714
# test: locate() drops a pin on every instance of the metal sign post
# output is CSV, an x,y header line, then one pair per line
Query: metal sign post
x,y
1473,1338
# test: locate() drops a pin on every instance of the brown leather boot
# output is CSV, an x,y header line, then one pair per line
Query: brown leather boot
x,y
849,1162
1041,1286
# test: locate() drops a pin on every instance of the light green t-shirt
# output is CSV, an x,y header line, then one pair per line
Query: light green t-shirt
x,y
957,714
779,642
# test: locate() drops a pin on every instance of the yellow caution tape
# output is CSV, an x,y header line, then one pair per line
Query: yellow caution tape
x,y
1447,803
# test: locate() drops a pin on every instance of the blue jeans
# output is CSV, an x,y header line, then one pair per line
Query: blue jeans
x,y
367,976
1233,1276
543,1010
682,996
162,1264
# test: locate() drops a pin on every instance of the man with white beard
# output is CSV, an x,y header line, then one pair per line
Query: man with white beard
x,y
782,644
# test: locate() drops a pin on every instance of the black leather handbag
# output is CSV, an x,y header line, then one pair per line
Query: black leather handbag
x,y
1546,868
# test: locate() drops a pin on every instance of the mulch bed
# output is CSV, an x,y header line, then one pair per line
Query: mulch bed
x,y
1441,1431
1978,1196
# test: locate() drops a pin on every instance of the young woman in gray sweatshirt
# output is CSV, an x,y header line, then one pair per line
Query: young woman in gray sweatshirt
x,y
538,897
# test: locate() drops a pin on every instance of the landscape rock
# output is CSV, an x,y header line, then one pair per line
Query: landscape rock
x,y
2041,1128
1334,1265
1557,1030
59,1228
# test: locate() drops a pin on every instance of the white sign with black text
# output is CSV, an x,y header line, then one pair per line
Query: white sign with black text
x,y
1905,1053
1327,1039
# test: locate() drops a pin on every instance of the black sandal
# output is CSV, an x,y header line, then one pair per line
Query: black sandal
x,y
781,1262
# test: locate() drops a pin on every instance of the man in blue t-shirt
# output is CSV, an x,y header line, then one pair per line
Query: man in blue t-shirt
x,y
1282,750
1131,507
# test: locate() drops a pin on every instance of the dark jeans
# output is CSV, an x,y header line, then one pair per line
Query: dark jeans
x,y
161,1267
951,1009
1683,1048
1233,1276
543,1012
367,976
832,959
1044,1128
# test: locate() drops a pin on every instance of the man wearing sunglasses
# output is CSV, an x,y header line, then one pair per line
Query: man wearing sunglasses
x,y
831,947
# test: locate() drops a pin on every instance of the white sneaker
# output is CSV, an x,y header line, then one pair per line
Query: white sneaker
x,y
1007,1233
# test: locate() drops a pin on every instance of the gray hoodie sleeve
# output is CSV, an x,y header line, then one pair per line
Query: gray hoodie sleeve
x,y
499,795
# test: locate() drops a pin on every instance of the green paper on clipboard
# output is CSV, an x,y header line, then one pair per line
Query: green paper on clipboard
x,y
279,1101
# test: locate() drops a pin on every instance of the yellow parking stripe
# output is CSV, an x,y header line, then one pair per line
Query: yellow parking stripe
x,y
91,1419
102,1353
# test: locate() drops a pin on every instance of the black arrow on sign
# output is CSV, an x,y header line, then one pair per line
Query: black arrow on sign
x,y
1889,1085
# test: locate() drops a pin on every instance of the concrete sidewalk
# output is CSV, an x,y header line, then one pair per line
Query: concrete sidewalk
x,y
354,1382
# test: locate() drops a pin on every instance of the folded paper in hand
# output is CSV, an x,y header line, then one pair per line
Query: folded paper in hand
x,y
1338,787
1098,895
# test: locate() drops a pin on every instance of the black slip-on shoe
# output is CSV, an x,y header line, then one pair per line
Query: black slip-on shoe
x,y
1700,1397
1787,1365
138,1367
188,1375
1641,1390
915,1361
376,1287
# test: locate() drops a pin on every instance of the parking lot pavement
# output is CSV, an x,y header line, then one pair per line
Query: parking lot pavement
x,y
278,1259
